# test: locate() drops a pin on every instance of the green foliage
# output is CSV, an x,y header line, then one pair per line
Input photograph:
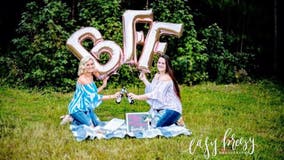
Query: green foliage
x,y
40,51
187,52
224,66
104,16
40,57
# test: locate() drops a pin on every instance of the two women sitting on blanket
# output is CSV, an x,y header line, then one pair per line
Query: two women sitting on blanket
x,y
162,94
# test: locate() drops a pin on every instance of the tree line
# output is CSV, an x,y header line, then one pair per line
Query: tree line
x,y
210,49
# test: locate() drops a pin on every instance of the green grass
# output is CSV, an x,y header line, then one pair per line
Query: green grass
x,y
29,125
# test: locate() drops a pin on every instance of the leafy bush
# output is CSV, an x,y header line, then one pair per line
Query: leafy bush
x,y
188,53
223,65
40,51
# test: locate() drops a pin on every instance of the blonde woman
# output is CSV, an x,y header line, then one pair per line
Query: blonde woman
x,y
86,97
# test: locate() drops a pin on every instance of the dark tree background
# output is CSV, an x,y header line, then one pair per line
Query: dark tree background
x,y
10,14
261,21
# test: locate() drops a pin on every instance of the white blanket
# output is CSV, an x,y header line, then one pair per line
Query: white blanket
x,y
116,128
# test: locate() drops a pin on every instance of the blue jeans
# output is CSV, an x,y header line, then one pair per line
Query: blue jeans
x,y
88,118
165,118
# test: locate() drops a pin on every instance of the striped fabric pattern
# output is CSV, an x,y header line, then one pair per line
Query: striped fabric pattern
x,y
162,95
85,98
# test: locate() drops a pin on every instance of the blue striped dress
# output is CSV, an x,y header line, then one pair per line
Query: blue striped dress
x,y
85,98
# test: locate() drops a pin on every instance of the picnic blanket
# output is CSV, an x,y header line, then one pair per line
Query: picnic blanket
x,y
117,128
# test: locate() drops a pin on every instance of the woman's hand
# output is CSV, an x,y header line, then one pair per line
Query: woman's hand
x,y
132,95
116,94
143,78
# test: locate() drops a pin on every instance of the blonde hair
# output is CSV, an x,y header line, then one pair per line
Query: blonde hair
x,y
82,64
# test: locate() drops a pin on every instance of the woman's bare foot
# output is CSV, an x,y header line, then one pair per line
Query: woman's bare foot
x,y
66,119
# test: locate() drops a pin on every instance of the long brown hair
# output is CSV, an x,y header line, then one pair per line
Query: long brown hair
x,y
171,73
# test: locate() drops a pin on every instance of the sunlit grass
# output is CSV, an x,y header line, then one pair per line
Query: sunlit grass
x,y
29,123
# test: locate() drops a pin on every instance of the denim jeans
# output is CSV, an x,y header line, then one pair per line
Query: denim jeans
x,y
165,118
88,118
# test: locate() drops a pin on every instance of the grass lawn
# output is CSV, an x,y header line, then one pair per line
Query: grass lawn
x,y
250,116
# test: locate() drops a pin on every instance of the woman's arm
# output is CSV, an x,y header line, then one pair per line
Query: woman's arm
x,y
113,96
143,78
103,85
138,97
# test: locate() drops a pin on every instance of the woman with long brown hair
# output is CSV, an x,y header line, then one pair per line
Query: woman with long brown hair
x,y
162,94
